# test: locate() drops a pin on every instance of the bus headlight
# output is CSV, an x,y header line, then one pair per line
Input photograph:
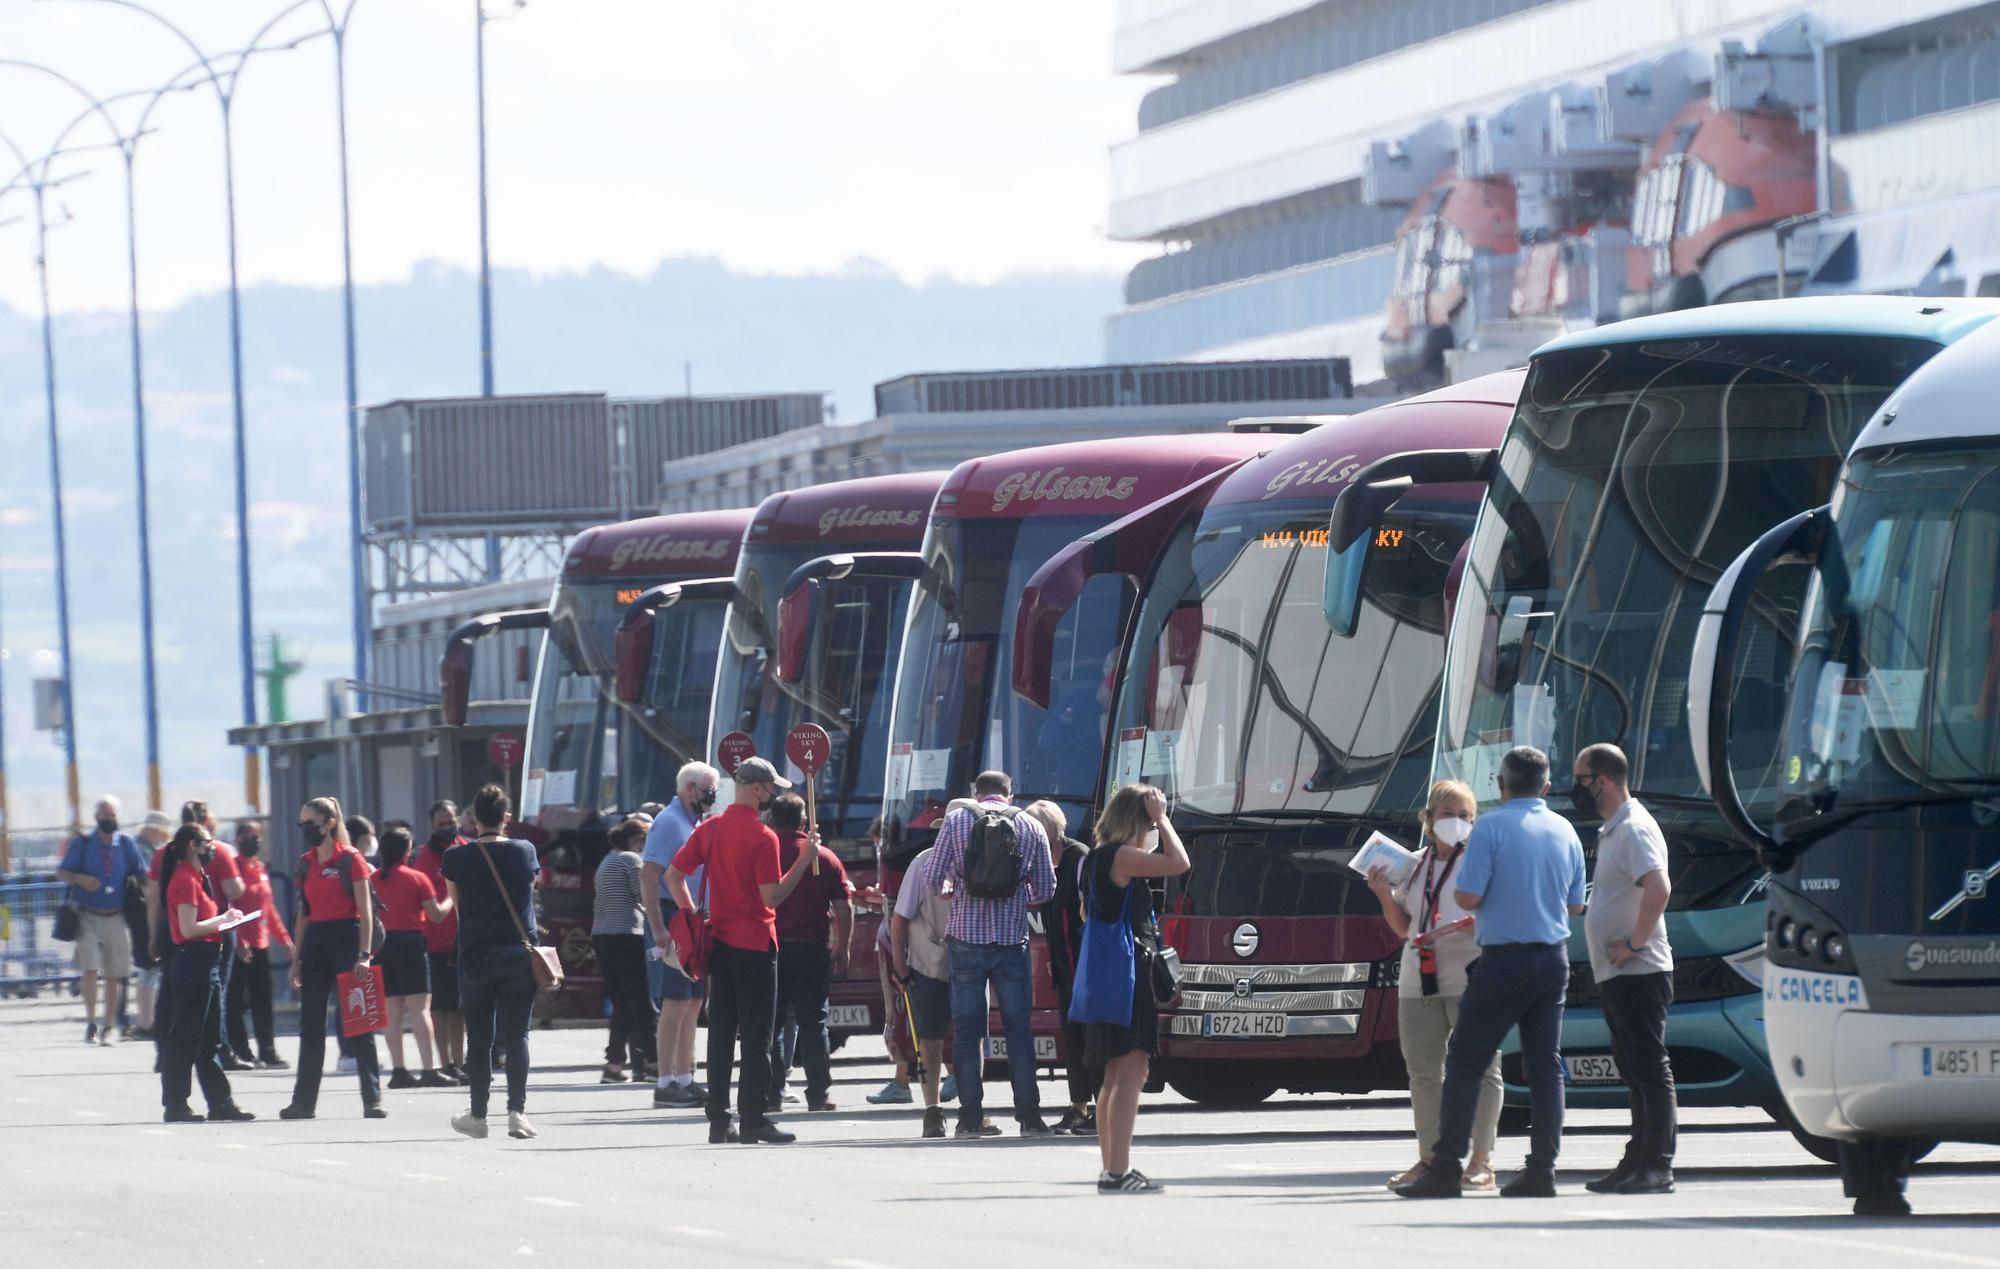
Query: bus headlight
x,y
1809,941
1787,930
1834,949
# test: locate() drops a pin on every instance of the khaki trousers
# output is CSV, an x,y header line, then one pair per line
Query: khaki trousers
x,y
1426,1024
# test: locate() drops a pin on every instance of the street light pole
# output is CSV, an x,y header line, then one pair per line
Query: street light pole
x,y
225,93
485,262
358,556
38,184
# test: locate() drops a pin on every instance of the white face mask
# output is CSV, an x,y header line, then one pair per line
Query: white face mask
x,y
1451,830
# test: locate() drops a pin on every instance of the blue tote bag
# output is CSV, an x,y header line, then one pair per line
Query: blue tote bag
x,y
1107,968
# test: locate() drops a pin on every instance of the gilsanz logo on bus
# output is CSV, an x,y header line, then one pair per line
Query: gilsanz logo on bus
x,y
1920,957
1320,471
653,550
1053,485
865,518
1813,989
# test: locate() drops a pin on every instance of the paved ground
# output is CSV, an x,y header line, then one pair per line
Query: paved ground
x,y
88,1175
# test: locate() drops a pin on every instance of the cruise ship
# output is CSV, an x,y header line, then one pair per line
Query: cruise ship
x,y
1430,188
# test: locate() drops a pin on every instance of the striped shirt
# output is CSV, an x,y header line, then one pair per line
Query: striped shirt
x,y
998,921
618,907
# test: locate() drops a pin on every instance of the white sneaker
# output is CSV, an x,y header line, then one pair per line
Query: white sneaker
x,y
470,1124
518,1126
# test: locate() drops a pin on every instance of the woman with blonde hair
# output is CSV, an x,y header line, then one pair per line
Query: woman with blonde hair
x,y
1135,841
1437,948
1062,928
335,938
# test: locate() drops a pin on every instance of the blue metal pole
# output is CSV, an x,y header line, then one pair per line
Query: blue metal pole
x,y
358,557
146,661
56,506
245,647
485,266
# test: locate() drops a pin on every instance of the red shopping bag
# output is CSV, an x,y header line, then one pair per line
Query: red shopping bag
x,y
361,1010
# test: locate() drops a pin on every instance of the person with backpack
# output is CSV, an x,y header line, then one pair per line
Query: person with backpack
x,y
1115,994
99,867
996,860
339,929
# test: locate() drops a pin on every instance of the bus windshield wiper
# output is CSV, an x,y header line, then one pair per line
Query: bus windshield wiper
x,y
1825,826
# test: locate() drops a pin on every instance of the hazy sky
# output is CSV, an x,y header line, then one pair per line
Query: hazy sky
x,y
781,135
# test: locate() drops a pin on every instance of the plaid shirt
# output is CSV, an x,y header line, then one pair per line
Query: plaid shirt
x,y
998,921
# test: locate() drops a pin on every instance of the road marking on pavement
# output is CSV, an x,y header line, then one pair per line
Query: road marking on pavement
x,y
696,1231
156,1132
233,1145
547,1201
26,1101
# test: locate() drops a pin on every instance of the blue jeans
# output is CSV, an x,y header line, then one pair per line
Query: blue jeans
x,y
497,992
1510,984
973,966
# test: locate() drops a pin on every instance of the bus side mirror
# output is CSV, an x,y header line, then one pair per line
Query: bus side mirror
x,y
455,665
632,653
1340,600
1711,671
797,613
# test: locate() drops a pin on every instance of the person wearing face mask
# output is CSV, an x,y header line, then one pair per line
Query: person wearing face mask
x,y
195,921
1433,978
677,996
339,925
745,884
1522,877
99,866
250,986
441,944
1632,964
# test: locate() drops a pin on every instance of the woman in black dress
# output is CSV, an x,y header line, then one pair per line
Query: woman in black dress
x,y
1135,841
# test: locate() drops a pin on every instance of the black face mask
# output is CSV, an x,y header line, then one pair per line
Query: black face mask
x,y
1581,798
442,837
248,845
313,834
706,801
107,823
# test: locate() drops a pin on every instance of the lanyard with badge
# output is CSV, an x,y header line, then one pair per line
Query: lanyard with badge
x,y
1427,961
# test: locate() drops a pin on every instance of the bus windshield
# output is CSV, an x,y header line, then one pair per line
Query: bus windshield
x,y
1897,692
1240,699
846,686
586,752
953,714
1630,478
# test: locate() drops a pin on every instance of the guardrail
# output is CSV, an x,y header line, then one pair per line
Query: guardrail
x,y
31,960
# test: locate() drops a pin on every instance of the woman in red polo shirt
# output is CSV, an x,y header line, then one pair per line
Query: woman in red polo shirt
x,y
195,922
250,986
339,928
407,896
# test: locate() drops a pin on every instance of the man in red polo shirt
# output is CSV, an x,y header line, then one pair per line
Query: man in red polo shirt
x,y
745,885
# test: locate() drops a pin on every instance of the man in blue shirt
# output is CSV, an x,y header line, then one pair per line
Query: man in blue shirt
x,y
678,996
1522,876
98,865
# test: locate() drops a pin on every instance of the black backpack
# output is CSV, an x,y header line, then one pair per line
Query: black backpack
x,y
993,853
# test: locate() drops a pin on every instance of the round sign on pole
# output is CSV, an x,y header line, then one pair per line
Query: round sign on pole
x,y
731,750
504,750
807,746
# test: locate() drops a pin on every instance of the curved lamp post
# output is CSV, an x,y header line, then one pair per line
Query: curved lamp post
x,y
225,83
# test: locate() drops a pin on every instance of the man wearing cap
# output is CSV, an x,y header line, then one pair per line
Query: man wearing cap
x,y
745,885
